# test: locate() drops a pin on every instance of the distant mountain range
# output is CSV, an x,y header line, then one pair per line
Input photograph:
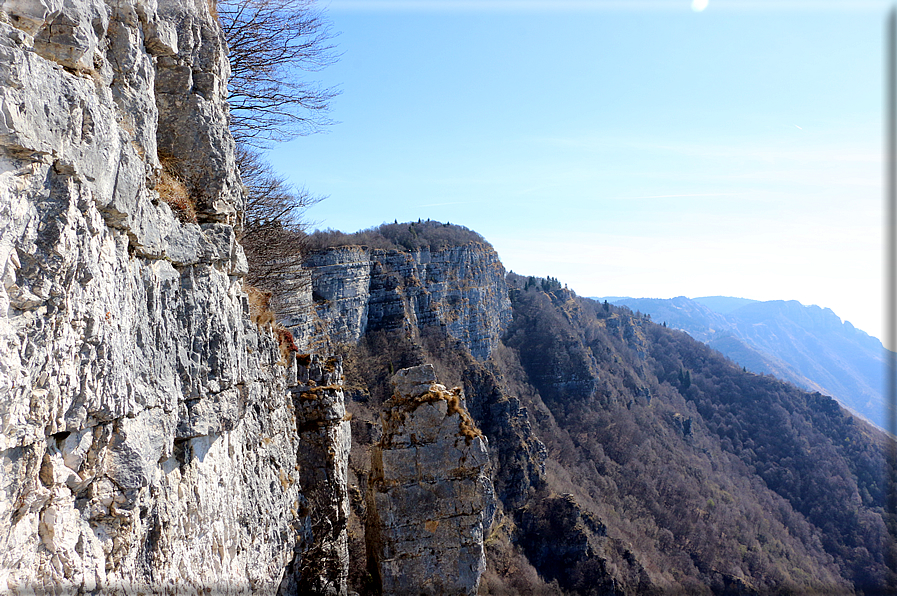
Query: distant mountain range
x,y
805,345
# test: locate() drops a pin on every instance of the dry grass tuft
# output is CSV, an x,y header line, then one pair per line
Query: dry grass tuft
x,y
260,311
173,191
399,405
261,314
467,427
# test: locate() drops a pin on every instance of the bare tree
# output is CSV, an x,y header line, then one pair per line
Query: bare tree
x,y
273,233
270,42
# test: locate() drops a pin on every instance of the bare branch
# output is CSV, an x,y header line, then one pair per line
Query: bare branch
x,y
274,226
271,43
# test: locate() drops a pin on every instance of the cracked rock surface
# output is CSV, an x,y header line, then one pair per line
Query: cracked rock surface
x,y
148,437
430,498
344,292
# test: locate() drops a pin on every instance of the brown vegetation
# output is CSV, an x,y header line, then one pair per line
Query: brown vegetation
x,y
260,311
270,42
273,232
174,192
285,342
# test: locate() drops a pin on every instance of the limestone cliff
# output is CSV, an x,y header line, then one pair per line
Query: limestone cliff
x,y
430,495
348,291
147,439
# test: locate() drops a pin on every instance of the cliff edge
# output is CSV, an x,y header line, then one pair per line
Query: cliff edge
x,y
344,292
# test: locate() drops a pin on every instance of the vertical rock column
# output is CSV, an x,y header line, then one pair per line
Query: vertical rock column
x,y
323,460
430,497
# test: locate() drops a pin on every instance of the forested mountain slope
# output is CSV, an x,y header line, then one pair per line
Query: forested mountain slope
x,y
805,345
756,481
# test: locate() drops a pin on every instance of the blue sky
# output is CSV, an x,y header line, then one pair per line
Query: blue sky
x,y
626,148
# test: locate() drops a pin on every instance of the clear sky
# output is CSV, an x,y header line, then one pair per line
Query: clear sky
x,y
641,149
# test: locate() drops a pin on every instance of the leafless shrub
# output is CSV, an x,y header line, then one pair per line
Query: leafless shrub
x,y
273,232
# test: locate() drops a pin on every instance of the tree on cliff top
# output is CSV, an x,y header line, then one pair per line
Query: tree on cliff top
x,y
270,42
399,236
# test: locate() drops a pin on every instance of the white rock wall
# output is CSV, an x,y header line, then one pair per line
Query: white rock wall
x,y
147,440
354,290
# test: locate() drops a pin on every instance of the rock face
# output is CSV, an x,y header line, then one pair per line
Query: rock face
x,y
518,456
430,497
147,437
321,567
354,290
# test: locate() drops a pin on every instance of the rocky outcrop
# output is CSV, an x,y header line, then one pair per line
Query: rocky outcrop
x,y
321,566
430,499
147,439
562,541
355,290
518,456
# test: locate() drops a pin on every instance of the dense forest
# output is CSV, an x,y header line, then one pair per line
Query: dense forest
x,y
763,486
631,459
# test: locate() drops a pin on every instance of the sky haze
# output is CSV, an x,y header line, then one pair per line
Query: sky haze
x,y
641,149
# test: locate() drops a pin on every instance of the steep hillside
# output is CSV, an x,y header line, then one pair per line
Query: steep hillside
x,y
723,304
671,436
628,458
804,345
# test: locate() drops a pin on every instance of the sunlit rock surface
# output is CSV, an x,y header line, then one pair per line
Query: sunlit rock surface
x,y
430,496
351,290
147,437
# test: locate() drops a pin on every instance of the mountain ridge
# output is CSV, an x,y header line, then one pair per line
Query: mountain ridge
x,y
629,458
806,345
164,432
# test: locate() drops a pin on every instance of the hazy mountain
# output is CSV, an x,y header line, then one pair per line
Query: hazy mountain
x,y
805,345
723,304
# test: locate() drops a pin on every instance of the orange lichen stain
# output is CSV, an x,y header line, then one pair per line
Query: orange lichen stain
x,y
431,526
